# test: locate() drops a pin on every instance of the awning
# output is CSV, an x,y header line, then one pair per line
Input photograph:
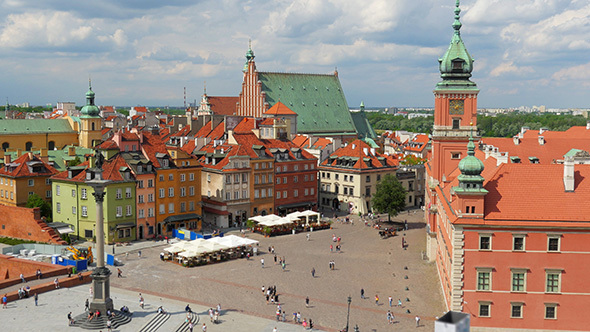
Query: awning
x,y
64,230
292,205
215,211
182,217
125,225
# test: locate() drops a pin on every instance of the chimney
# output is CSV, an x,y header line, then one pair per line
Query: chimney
x,y
541,140
7,159
71,151
516,140
544,129
568,173
366,151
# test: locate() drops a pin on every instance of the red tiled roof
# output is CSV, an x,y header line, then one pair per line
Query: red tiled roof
x,y
108,145
417,144
205,130
105,130
301,141
142,109
356,149
267,122
218,132
127,136
22,170
246,125
279,109
182,132
556,144
223,105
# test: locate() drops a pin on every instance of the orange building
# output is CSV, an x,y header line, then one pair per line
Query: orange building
x,y
508,229
24,176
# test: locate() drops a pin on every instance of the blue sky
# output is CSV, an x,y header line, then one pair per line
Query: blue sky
x,y
143,52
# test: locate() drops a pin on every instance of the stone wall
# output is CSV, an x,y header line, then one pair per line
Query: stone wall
x,y
24,223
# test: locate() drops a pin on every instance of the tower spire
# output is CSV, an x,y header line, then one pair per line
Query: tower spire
x,y
457,24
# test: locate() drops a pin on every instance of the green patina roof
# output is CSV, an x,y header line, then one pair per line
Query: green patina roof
x,y
90,110
456,64
59,156
35,126
363,127
317,99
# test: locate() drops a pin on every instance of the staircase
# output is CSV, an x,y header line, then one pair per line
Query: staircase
x,y
100,323
155,323
183,327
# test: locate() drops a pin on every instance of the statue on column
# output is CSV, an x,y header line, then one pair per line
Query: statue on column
x,y
98,159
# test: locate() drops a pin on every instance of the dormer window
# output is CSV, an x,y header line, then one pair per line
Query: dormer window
x,y
457,65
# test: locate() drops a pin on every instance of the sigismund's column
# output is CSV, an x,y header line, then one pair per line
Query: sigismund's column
x,y
101,275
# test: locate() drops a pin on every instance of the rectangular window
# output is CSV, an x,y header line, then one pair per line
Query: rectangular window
x,y
58,207
284,168
31,182
256,192
550,310
182,177
295,193
278,169
295,168
256,178
84,211
553,278
278,194
73,192
140,199
191,191
306,191
516,311
305,167
518,280
121,233
88,233
244,194
150,183
119,193
182,207
162,192
295,179
47,181
227,196
346,178
140,213
244,177
162,209
170,207
236,178
285,194
484,309
368,178
150,198
484,279
263,193
284,180
182,192
236,195
140,184
269,192
191,176
306,177
119,211
312,191
48,194
518,242
191,206
170,177
553,243
368,191
128,210
84,193
278,180
485,242
150,212
127,192
73,210
256,166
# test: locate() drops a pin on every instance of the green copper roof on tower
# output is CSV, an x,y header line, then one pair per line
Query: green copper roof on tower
x,y
470,179
249,55
90,110
456,64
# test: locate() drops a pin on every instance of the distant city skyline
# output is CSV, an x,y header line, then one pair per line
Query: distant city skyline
x,y
527,52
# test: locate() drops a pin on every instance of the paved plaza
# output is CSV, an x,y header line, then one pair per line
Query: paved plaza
x,y
365,261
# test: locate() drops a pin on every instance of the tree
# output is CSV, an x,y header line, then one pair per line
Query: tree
x,y
35,200
390,197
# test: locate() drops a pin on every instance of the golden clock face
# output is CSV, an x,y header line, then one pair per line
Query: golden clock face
x,y
456,106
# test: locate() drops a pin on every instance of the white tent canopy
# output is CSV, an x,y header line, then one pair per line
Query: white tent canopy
x,y
233,241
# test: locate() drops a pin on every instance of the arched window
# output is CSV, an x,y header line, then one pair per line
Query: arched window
x,y
51,145
28,146
5,146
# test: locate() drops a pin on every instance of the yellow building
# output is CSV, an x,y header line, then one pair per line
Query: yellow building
x,y
25,176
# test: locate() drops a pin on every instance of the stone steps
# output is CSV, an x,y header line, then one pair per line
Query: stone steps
x,y
100,323
183,327
155,323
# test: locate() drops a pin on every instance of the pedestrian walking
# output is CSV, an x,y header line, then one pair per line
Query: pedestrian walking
x,y
36,297
139,254
389,320
22,278
376,299
56,283
70,319
362,293
119,273
211,314
204,327
403,242
331,248
275,329
283,265
406,224
141,302
275,259
4,301
190,326
307,301
262,290
39,274
298,317
399,302
390,302
313,272
272,249
307,236
86,305
109,326
262,262
417,321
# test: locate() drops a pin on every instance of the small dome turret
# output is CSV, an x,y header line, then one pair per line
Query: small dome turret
x,y
90,110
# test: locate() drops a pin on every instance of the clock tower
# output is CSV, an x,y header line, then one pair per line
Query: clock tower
x,y
455,108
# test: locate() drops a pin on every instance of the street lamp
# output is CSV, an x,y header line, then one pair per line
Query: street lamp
x,y
348,313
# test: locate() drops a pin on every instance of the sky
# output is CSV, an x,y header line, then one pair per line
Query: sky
x,y
144,52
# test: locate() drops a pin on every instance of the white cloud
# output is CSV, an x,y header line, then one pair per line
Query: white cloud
x,y
510,68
